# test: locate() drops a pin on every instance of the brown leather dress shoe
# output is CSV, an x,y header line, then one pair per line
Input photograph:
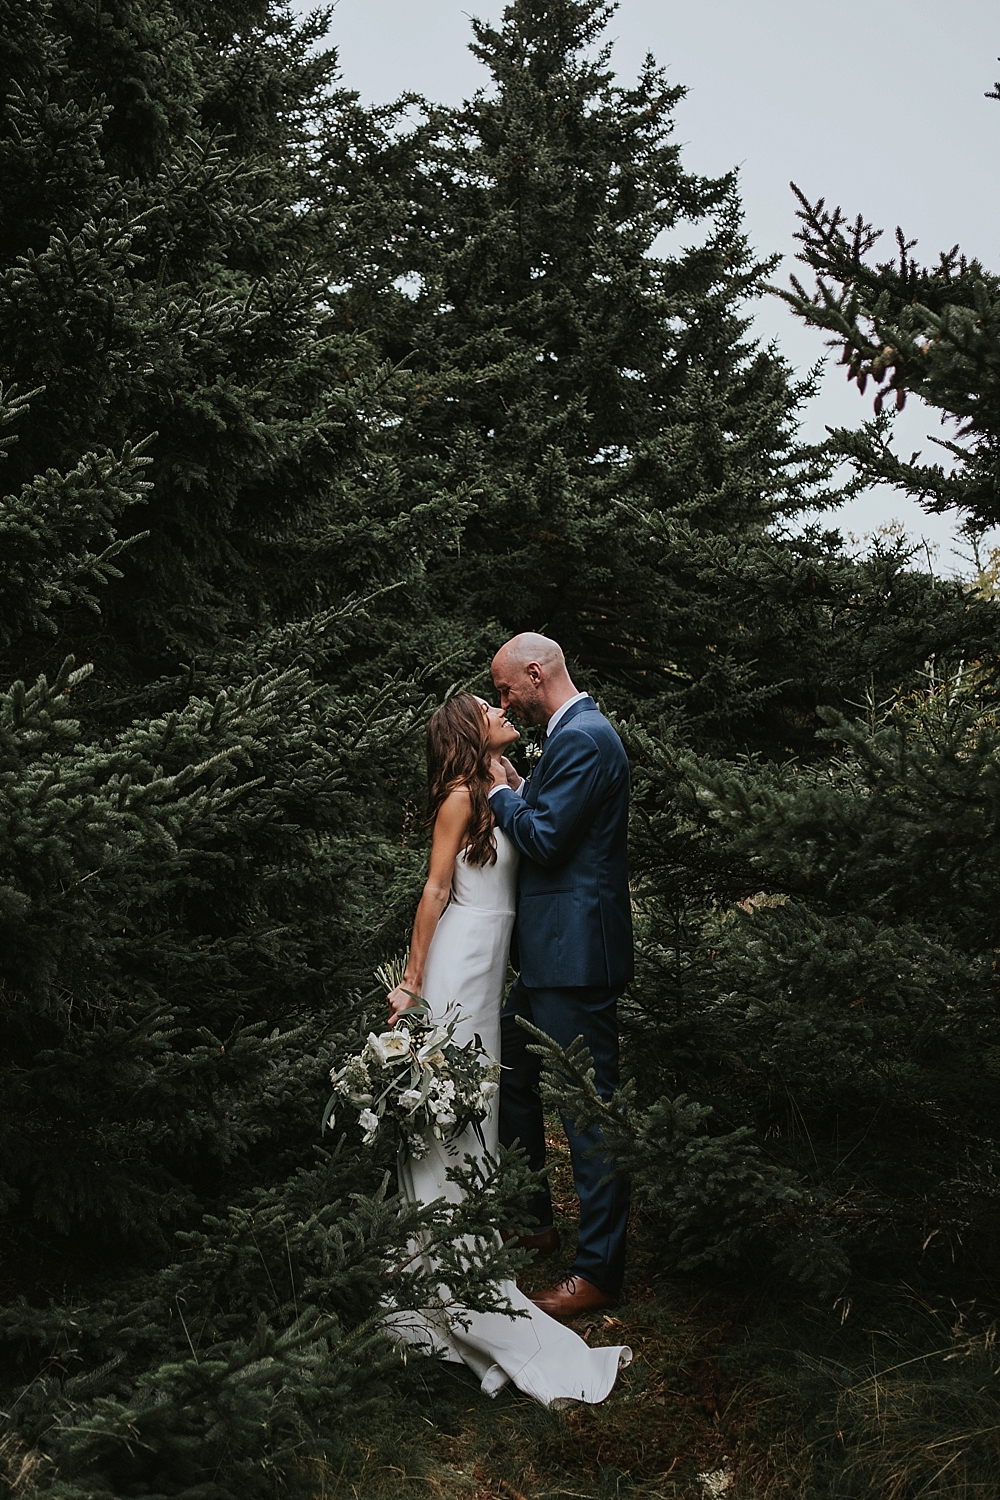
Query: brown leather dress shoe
x,y
571,1297
546,1241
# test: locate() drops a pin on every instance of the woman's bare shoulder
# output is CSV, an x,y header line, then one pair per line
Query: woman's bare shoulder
x,y
459,793
455,806
452,818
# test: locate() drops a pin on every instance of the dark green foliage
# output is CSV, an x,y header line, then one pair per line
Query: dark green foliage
x,y
765,627
814,1023
175,881
909,329
251,1359
47,531
204,848
560,373
626,451
303,410
153,286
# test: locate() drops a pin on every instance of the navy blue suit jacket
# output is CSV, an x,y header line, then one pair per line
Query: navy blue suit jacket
x,y
574,915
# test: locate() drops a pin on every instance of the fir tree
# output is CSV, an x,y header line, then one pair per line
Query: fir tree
x,y
559,369
203,772
627,450
908,329
157,285
816,1083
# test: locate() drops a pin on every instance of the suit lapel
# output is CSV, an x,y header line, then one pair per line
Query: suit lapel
x,y
534,777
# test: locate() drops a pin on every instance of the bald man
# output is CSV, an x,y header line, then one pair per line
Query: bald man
x,y
574,939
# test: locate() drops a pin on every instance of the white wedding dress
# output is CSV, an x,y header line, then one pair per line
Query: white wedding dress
x,y
464,978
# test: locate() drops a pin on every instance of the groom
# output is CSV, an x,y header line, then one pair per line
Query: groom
x,y
574,936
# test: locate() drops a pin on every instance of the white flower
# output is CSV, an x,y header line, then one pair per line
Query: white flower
x,y
430,1051
368,1120
441,1103
374,1048
410,1098
389,1045
488,1088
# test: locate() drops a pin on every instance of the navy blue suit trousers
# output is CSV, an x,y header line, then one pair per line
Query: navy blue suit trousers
x,y
565,1014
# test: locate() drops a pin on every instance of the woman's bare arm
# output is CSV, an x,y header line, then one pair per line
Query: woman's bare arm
x,y
450,829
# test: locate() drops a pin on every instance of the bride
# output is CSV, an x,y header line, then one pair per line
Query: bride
x,y
458,964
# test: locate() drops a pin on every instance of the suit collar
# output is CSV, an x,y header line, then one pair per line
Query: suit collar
x,y
580,706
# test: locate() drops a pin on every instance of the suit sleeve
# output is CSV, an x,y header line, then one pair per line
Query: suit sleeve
x,y
566,805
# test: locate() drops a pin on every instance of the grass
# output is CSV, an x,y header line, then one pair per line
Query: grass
x,y
664,1424
736,1392
907,1407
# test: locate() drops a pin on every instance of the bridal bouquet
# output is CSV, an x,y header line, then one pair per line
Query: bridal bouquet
x,y
417,1077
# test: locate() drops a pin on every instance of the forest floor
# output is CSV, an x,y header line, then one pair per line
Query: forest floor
x,y
676,1427
738,1390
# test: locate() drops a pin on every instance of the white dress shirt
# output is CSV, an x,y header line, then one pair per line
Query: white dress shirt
x,y
550,726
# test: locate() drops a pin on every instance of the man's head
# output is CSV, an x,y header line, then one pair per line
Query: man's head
x,y
531,677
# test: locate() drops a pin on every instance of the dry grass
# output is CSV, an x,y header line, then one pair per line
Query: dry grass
x,y
21,1468
726,1399
666,1422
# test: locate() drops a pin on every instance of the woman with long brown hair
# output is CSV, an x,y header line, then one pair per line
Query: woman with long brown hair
x,y
458,964
464,736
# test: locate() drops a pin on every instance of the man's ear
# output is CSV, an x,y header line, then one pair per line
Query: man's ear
x,y
534,671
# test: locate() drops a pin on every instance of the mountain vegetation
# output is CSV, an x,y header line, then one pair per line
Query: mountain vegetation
x,y
307,406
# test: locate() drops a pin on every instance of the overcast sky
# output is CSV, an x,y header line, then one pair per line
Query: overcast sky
x,y
875,104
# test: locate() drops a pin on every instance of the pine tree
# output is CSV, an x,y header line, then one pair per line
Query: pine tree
x,y
114,348
158,285
204,770
908,329
627,450
816,1084
559,369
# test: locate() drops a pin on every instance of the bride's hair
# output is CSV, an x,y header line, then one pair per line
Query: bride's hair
x,y
458,754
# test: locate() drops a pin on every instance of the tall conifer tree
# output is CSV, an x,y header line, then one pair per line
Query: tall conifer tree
x,y
200,840
559,366
818,966
628,450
